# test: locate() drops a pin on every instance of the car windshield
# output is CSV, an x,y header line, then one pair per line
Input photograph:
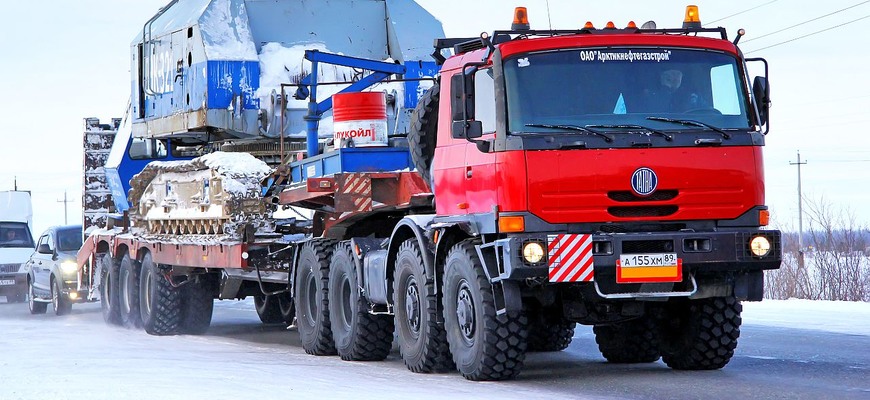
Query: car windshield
x,y
625,86
15,234
69,239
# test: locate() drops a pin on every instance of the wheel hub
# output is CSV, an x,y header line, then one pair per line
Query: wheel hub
x,y
465,312
412,306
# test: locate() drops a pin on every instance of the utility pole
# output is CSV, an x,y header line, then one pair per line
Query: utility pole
x,y
65,202
800,211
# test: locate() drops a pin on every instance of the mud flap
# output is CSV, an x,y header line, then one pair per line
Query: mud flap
x,y
506,293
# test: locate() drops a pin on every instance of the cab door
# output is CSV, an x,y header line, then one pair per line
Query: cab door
x,y
480,168
41,263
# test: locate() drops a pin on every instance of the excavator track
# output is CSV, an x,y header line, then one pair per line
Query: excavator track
x,y
216,196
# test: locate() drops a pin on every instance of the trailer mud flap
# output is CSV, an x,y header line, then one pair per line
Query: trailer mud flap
x,y
506,293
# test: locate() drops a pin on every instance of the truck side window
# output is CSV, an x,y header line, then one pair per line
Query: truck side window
x,y
484,99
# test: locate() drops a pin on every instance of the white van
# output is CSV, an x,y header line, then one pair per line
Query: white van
x,y
16,243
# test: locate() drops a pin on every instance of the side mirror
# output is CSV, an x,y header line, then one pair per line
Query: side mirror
x,y
761,94
44,249
467,129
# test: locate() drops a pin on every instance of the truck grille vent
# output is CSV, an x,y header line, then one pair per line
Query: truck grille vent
x,y
9,268
626,196
628,228
650,211
647,246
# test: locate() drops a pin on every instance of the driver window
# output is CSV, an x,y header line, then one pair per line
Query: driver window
x,y
141,148
484,99
724,85
45,239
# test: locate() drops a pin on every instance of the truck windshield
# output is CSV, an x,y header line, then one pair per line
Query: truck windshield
x,y
625,86
15,234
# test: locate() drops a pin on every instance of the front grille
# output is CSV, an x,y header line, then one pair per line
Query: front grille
x,y
642,211
9,268
629,228
647,246
626,196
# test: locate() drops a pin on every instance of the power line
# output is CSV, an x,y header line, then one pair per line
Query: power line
x,y
740,12
809,34
807,21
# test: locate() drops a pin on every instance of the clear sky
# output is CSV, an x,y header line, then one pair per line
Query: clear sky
x,y
63,61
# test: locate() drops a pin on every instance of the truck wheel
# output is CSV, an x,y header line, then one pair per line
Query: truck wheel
x,y
549,330
109,299
36,307
275,309
422,340
423,131
634,341
61,304
701,334
358,335
160,303
312,301
197,306
128,281
485,346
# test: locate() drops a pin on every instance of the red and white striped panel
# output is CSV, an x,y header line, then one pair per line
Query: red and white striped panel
x,y
359,188
570,258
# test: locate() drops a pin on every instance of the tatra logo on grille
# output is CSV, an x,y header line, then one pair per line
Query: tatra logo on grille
x,y
644,181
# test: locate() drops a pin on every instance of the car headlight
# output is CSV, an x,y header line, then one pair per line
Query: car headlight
x,y
69,267
533,252
759,246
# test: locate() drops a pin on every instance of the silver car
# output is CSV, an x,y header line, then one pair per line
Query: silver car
x,y
53,275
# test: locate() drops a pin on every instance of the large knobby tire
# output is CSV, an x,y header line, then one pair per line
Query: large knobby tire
x,y
549,330
36,307
275,309
110,302
423,132
358,335
701,334
422,340
128,281
633,341
485,346
62,305
160,303
197,305
312,300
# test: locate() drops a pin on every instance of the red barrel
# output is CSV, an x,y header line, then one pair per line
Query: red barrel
x,y
359,119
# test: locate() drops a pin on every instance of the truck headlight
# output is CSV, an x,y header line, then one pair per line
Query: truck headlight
x,y
69,267
533,252
759,246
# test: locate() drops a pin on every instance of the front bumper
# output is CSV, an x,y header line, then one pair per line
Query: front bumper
x,y
701,253
18,287
70,291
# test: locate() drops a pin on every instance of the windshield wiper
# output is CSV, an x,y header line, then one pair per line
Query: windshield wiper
x,y
632,126
607,138
691,122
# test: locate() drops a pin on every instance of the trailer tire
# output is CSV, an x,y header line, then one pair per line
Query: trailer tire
x,y
160,302
110,303
424,131
358,335
197,305
422,340
485,346
36,307
128,294
633,341
701,334
312,299
549,330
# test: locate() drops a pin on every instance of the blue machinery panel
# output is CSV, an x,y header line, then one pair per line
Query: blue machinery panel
x,y
358,159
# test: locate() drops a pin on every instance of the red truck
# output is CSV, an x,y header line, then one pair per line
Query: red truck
x,y
610,177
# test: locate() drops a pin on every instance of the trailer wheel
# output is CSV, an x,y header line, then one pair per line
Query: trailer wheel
x,y
109,299
36,307
422,340
312,301
549,330
61,304
128,282
485,346
701,334
423,132
359,336
197,305
634,341
160,303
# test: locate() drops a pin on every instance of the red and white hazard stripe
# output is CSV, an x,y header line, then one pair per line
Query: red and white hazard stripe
x,y
359,186
570,258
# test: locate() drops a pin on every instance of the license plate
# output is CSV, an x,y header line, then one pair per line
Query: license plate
x,y
643,268
7,281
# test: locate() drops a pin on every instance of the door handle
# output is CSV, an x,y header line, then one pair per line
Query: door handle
x,y
468,172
